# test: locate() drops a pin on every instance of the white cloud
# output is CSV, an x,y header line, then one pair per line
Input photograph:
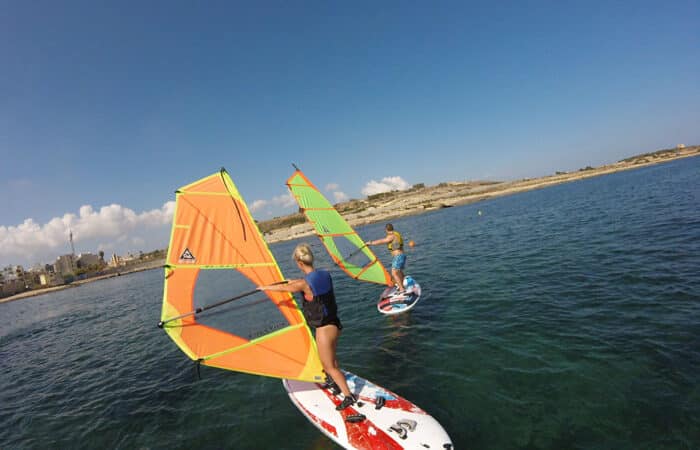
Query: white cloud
x,y
278,205
258,205
30,240
387,184
340,196
285,200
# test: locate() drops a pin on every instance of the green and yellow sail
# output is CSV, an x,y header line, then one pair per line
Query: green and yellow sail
x,y
342,242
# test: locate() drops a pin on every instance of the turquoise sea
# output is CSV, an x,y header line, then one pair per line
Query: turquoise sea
x,y
562,318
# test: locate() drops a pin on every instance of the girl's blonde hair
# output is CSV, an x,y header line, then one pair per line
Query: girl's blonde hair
x,y
303,253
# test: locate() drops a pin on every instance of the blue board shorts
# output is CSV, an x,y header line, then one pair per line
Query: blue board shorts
x,y
399,261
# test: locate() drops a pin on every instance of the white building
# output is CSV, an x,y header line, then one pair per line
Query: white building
x,y
115,261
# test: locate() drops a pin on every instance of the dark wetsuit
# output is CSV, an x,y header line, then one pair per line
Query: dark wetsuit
x,y
321,310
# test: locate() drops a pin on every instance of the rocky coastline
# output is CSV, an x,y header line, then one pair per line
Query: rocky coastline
x,y
421,199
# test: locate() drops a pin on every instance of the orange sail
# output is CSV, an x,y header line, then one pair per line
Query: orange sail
x,y
216,246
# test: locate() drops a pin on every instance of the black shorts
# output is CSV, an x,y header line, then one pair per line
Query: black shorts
x,y
330,321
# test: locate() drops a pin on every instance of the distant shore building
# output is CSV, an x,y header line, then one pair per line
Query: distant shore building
x,y
128,258
114,261
120,261
11,273
11,287
85,260
12,281
48,279
65,265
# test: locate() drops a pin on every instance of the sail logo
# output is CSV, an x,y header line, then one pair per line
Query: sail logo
x,y
187,256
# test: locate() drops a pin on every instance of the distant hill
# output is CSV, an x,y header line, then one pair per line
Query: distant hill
x,y
421,198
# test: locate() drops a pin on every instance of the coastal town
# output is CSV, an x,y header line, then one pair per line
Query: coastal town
x,y
71,270
74,269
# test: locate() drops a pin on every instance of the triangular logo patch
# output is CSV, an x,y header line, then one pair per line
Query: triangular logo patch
x,y
187,256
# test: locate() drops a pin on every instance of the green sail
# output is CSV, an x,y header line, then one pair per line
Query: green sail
x,y
343,243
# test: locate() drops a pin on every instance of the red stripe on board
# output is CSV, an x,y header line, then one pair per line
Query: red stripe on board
x,y
359,435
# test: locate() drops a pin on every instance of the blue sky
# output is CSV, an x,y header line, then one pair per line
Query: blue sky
x,y
108,108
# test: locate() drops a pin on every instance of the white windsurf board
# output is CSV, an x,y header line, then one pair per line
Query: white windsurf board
x,y
391,301
371,423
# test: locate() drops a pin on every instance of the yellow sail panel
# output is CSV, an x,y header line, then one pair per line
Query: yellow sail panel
x,y
214,234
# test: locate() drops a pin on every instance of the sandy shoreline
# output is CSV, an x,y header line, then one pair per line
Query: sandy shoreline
x,y
409,203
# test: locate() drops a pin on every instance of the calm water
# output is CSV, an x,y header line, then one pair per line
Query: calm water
x,y
567,317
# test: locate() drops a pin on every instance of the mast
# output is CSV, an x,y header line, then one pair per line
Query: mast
x,y
72,247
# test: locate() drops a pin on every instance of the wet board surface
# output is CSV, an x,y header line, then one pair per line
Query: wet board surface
x,y
379,420
392,302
